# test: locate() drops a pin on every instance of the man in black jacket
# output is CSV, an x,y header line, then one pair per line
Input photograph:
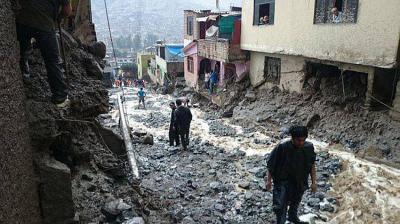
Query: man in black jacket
x,y
183,117
289,166
173,134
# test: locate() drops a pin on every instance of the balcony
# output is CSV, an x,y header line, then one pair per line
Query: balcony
x,y
220,50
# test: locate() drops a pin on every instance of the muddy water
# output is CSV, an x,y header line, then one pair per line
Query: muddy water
x,y
367,192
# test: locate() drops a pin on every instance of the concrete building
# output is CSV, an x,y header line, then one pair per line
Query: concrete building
x,y
213,43
143,64
167,64
302,38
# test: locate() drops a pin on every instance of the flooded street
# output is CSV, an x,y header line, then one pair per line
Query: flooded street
x,y
220,178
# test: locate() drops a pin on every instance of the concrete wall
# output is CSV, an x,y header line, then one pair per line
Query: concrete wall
x,y
373,40
292,71
18,185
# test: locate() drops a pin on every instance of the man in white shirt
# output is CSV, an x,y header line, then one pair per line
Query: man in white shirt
x,y
337,16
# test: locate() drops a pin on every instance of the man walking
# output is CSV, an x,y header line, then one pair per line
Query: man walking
x,y
289,166
173,134
37,19
141,94
183,117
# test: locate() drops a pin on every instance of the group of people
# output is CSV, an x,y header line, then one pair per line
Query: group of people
x,y
128,82
179,127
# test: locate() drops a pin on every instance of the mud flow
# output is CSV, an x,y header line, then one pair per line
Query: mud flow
x,y
220,178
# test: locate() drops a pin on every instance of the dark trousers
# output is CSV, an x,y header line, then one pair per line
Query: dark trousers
x,y
173,137
184,136
48,45
284,195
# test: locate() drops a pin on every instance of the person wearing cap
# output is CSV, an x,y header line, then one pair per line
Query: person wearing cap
x,y
289,166
173,134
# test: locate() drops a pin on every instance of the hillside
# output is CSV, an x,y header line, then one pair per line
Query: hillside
x,y
159,17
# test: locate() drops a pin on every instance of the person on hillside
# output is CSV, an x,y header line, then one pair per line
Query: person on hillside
x,y
289,166
38,19
173,134
141,94
183,118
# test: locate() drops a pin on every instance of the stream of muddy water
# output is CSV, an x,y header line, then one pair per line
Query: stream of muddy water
x,y
366,192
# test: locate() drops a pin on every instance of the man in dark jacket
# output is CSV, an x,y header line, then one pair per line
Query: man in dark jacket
x,y
173,134
289,166
183,117
37,19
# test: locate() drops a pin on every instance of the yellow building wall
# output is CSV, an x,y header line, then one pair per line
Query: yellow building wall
x,y
373,40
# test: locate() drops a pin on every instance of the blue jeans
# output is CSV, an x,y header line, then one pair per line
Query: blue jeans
x,y
284,195
48,45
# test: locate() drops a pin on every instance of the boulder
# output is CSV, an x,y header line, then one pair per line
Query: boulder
x,y
148,140
136,220
114,208
55,191
98,49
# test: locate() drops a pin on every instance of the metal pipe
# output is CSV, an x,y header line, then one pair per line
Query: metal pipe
x,y
127,139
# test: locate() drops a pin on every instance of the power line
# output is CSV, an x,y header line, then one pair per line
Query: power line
x,y
109,31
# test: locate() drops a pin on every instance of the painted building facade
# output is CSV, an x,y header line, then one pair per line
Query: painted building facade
x,y
167,64
143,64
213,43
346,34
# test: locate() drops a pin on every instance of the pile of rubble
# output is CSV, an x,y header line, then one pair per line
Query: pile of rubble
x,y
371,135
81,166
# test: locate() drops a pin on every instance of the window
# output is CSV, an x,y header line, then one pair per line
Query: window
x,y
190,64
272,69
264,12
190,25
335,11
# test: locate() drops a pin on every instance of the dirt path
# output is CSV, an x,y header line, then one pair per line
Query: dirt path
x,y
219,180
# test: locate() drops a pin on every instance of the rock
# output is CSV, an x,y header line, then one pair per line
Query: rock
x,y
86,177
55,191
188,220
212,172
251,96
114,142
92,188
313,202
219,207
148,140
248,195
312,119
139,133
113,208
136,220
98,49
258,171
244,184
216,186
327,207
